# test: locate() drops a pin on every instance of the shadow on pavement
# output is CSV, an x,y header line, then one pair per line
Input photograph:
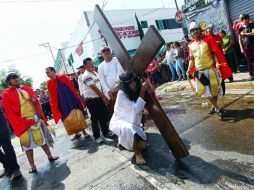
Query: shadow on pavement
x,y
20,183
51,177
92,146
202,172
169,170
235,116
87,144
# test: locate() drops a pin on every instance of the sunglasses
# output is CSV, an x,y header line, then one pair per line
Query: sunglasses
x,y
14,77
105,50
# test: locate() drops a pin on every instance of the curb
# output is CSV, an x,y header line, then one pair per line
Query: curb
x,y
185,86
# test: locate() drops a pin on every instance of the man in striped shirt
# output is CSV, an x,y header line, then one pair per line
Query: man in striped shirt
x,y
95,101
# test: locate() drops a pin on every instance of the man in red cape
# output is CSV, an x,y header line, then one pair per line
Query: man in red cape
x,y
63,97
219,41
207,62
23,111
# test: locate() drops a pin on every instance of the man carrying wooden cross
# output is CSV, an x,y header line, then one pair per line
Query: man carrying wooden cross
x,y
126,120
150,45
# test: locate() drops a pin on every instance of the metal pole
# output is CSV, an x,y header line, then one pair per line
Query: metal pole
x,y
177,8
51,53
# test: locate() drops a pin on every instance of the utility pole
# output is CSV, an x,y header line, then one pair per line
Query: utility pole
x,y
48,47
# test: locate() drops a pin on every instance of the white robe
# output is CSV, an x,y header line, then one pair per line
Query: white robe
x,y
126,120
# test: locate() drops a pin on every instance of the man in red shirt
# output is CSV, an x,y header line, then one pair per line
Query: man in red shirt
x,y
152,68
217,37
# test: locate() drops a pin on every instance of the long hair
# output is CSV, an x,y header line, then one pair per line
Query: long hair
x,y
125,80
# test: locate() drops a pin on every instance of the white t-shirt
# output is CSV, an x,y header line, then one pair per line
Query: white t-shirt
x,y
80,84
88,79
169,57
109,74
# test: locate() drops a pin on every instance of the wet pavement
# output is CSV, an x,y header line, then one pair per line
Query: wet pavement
x,y
221,153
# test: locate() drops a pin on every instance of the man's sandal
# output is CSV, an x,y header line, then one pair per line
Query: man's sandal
x,y
33,170
52,159
76,136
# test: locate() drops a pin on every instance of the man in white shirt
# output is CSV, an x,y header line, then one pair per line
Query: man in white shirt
x,y
95,101
81,70
109,71
126,120
169,59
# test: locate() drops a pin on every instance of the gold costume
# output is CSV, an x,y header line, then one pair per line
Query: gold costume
x,y
32,137
205,63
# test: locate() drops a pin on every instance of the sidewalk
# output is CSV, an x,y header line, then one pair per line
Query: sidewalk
x,y
240,82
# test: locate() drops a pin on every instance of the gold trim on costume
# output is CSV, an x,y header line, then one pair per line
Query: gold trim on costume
x,y
28,111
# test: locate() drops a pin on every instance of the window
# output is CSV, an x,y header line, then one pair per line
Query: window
x,y
167,24
144,24
70,60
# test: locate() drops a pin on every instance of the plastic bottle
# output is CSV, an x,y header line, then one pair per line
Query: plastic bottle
x,y
205,105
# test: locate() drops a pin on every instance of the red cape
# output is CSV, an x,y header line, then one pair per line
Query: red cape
x,y
224,69
11,105
53,89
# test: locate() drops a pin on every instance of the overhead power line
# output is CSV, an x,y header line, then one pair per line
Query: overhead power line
x,y
19,58
85,36
90,28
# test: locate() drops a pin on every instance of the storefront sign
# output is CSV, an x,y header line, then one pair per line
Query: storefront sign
x,y
195,5
124,32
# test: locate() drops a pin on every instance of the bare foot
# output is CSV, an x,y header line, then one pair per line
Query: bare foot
x,y
140,160
120,146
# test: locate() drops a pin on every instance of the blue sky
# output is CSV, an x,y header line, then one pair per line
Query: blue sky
x,y
25,24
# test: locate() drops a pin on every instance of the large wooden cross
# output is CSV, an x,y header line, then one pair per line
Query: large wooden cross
x,y
150,45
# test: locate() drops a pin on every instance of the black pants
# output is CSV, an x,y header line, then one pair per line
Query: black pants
x,y
46,110
8,156
231,62
98,112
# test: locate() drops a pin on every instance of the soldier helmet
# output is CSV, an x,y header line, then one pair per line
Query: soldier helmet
x,y
9,76
194,25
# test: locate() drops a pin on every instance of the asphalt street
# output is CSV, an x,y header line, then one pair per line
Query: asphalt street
x,y
221,152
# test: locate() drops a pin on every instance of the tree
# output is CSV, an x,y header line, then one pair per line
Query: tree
x,y
43,85
25,80
28,81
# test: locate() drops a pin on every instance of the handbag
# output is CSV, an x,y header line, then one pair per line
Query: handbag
x,y
75,122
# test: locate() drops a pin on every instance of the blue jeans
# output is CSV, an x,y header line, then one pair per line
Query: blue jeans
x,y
172,68
180,68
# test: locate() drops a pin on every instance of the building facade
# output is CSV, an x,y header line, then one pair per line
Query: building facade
x,y
86,39
221,13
